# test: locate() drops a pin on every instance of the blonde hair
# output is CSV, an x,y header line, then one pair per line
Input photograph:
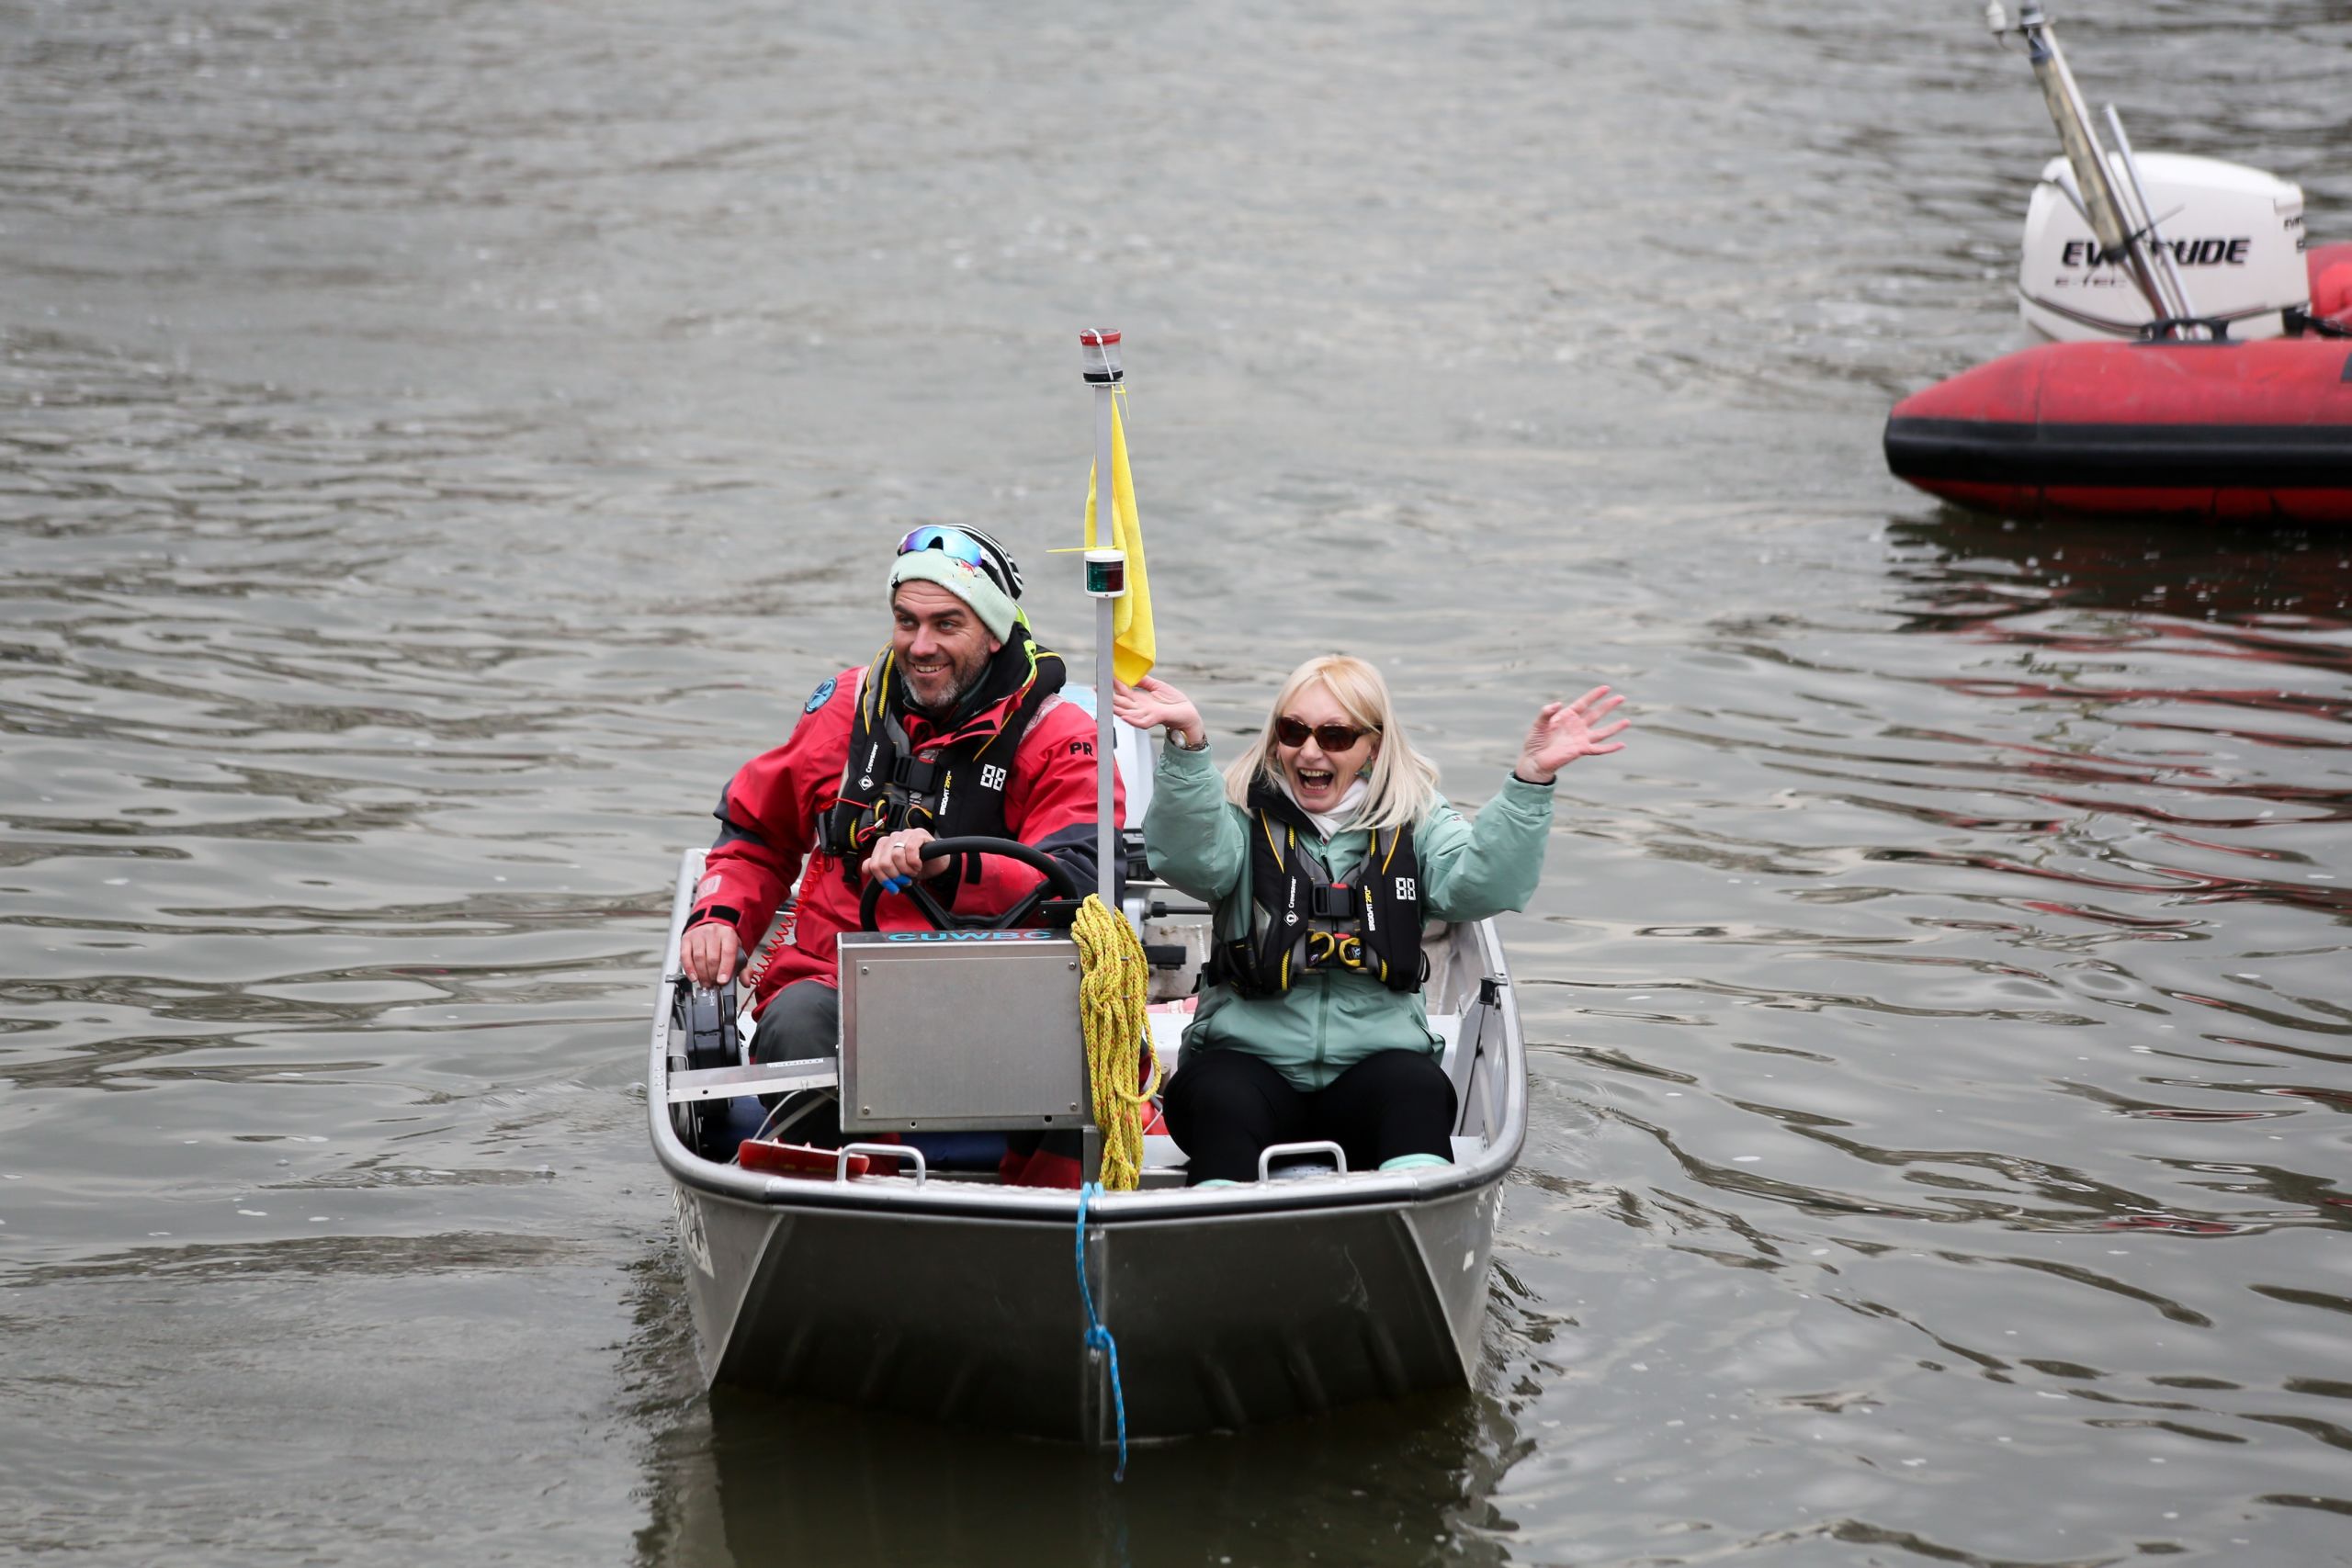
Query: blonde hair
x,y
1401,785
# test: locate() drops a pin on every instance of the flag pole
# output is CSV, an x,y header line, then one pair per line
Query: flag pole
x,y
1106,580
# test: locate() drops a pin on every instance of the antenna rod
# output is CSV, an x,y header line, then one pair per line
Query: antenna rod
x,y
1106,580
2120,241
2166,270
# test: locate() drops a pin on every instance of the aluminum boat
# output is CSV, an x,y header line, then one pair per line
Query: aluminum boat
x,y
944,1294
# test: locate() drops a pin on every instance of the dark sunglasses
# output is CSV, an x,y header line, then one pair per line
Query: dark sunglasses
x,y
1330,736
954,542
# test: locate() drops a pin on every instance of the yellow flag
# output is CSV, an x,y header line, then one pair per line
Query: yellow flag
x,y
1133,649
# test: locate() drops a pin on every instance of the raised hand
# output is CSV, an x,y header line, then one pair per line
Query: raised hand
x,y
1149,702
1564,731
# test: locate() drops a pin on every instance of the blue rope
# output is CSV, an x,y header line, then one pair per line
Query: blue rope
x,y
1098,1338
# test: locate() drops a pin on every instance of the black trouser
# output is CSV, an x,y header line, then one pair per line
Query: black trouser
x,y
1224,1107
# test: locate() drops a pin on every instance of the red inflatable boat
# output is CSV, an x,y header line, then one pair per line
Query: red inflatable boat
x,y
2202,361
2255,430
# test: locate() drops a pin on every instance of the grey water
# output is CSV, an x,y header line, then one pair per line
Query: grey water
x,y
439,440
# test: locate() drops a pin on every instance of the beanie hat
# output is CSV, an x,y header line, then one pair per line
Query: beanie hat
x,y
991,588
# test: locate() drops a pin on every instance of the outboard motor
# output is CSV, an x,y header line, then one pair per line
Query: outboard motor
x,y
702,1033
2235,235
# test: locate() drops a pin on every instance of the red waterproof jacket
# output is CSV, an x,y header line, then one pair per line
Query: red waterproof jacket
x,y
774,805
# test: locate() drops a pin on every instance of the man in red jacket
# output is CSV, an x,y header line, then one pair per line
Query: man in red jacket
x,y
958,728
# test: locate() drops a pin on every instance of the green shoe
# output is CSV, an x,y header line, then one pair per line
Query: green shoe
x,y
1414,1162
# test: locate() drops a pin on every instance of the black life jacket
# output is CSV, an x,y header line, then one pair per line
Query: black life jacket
x,y
951,777
1304,920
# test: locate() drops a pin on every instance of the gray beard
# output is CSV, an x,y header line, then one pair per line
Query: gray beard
x,y
940,710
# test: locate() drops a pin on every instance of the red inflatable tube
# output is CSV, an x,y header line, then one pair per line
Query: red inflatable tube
x,y
2223,431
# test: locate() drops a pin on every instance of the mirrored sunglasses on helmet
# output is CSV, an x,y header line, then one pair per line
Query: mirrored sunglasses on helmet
x,y
956,545
1330,736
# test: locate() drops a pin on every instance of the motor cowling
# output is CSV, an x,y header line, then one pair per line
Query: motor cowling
x,y
2235,234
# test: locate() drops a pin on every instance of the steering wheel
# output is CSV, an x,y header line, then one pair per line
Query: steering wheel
x,y
1057,882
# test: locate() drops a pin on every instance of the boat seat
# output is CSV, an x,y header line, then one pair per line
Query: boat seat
x,y
1437,951
1163,1162
1447,1027
1167,1035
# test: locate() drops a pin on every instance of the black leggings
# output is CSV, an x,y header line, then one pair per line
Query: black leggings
x,y
1224,1107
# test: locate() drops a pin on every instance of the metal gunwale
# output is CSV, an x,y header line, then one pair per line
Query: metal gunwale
x,y
977,1201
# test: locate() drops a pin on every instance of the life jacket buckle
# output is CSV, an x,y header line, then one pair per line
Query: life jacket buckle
x,y
1332,901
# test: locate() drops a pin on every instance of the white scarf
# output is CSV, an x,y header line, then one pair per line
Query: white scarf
x,y
1330,823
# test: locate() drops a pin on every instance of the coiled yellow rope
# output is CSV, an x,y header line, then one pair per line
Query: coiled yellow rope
x,y
1111,992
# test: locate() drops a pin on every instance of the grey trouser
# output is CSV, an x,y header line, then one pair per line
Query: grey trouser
x,y
802,1021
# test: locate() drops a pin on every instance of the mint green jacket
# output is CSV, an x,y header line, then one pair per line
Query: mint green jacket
x,y
1330,1020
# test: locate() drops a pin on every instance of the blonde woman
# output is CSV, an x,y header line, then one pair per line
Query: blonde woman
x,y
1324,849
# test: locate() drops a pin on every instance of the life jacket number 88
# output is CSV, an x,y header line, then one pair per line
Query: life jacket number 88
x,y
1303,920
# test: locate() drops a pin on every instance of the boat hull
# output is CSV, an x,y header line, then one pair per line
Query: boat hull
x,y
2254,431
2207,431
1221,1322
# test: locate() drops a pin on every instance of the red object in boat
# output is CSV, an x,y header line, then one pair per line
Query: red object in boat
x,y
2259,432
803,1159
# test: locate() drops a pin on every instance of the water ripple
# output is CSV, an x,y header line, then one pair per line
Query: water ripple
x,y
437,446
